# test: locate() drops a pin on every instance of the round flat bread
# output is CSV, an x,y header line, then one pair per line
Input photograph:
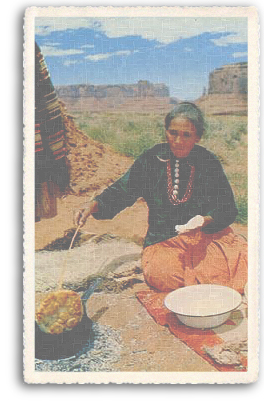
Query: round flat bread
x,y
59,311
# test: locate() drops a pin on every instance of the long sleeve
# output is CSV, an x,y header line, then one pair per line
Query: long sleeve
x,y
123,193
222,205
147,178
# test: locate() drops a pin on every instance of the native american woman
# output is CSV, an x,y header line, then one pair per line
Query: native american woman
x,y
191,206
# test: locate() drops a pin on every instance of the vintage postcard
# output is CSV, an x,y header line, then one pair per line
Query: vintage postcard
x,y
141,195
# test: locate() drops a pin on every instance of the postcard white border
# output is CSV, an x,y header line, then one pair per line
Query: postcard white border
x,y
30,375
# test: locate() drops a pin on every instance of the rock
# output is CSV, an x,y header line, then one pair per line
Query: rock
x,y
228,353
223,104
100,256
139,90
127,269
227,93
230,78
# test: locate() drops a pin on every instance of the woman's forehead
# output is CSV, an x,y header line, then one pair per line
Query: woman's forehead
x,y
181,123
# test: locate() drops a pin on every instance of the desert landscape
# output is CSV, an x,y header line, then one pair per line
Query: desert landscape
x,y
107,128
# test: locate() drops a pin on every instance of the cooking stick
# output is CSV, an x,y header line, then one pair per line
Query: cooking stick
x,y
73,238
66,259
59,287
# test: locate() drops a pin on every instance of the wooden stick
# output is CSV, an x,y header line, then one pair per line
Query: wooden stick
x,y
59,287
73,238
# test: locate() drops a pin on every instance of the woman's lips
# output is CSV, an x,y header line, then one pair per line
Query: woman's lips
x,y
180,152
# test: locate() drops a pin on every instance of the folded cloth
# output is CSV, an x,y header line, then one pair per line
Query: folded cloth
x,y
192,224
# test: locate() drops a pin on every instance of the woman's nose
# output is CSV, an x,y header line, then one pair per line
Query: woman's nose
x,y
178,139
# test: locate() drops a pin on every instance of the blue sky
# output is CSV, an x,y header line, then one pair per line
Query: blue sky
x,y
180,52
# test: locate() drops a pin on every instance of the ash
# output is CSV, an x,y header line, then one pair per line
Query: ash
x,y
96,357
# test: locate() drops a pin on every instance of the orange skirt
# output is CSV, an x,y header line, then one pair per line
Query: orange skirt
x,y
197,258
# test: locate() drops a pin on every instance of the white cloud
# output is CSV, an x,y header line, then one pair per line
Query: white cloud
x,y
67,63
162,29
98,57
240,54
167,29
87,46
52,51
229,40
103,56
188,49
46,25
53,44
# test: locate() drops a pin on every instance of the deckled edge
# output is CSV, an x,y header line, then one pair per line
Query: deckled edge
x,y
138,377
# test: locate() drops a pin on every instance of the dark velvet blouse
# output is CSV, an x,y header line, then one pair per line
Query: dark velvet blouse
x,y
147,178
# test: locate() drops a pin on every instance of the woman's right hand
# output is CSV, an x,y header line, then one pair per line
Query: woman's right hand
x,y
82,214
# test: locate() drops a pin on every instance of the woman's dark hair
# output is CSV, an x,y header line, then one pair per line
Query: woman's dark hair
x,y
189,111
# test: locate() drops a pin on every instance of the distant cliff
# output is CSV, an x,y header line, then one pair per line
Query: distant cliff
x,y
227,91
142,89
229,79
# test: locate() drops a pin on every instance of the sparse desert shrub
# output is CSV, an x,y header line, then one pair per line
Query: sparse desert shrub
x,y
242,206
132,134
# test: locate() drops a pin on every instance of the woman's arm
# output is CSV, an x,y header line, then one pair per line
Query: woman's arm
x,y
222,206
82,214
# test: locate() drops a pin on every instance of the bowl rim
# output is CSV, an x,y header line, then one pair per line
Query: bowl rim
x,y
202,316
205,315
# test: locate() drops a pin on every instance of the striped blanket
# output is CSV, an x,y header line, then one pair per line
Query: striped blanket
x,y
50,136
50,144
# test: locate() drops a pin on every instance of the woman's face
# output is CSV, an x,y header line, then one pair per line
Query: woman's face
x,y
181,136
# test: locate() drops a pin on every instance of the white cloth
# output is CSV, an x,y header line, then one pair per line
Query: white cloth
x,y
192,224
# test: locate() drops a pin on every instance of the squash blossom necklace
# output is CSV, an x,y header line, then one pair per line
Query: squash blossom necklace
x,y
173,189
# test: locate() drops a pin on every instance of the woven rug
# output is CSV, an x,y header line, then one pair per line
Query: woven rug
x,y
224,347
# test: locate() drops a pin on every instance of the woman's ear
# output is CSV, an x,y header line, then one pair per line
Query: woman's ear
x,y
197,139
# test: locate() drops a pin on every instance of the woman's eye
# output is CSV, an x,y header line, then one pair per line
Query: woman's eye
x,y
172,132
187,134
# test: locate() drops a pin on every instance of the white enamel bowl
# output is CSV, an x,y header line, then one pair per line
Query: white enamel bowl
x,y
203,306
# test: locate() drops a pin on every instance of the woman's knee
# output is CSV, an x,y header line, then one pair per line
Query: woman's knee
x,y
162,271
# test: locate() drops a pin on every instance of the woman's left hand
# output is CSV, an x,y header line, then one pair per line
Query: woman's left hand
x,y
196,222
